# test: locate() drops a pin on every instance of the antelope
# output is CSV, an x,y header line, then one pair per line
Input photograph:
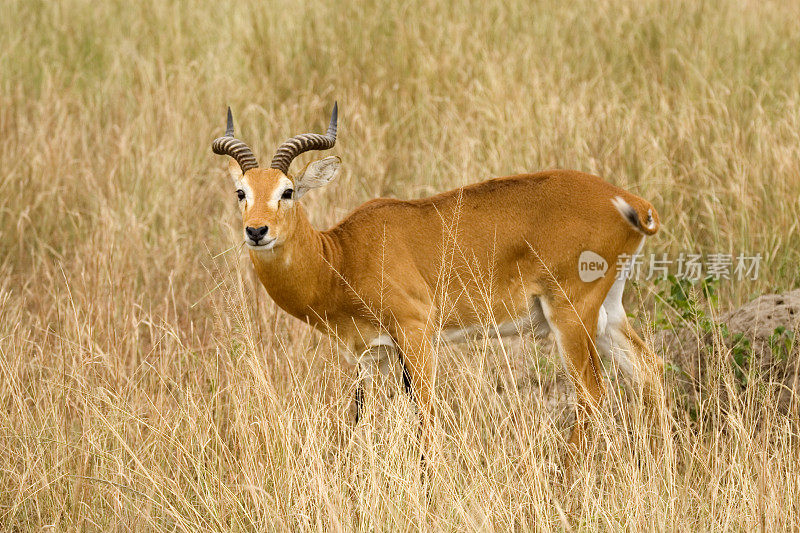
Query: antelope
x,y
395,274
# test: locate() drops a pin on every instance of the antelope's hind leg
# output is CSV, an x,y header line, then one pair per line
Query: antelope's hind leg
x,y
617,340
574,331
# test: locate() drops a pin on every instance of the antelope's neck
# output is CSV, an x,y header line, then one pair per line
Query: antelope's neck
x,y
300,275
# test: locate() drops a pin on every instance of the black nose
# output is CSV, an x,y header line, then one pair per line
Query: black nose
x,y
256,234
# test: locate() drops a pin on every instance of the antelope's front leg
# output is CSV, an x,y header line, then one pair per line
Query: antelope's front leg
x,y
359,396
373,370
418,359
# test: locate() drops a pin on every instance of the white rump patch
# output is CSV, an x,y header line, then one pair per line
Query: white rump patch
x,y
611,340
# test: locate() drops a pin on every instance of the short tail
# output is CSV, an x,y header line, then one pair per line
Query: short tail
x,y
635,215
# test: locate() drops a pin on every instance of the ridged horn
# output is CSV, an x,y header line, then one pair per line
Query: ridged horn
x,y
229,145
305,142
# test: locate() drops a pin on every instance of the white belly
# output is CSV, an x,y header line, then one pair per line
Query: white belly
x,y
383,346
534,322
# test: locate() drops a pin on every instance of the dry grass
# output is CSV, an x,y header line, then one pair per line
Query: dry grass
x,y
148,383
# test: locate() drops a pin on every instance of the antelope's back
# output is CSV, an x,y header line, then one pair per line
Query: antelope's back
x,y
495,229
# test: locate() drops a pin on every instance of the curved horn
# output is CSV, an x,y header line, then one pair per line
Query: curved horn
x,y
305,142
228,145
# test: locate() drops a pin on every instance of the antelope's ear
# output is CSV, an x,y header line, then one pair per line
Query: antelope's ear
x,y
316,174
234,169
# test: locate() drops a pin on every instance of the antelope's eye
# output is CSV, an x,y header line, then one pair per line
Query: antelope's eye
x,y
240,194
287,194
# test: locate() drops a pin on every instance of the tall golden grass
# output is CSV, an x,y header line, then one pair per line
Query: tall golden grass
x,y
147,382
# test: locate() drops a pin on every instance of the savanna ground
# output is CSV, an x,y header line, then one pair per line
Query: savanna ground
x,y
147,383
